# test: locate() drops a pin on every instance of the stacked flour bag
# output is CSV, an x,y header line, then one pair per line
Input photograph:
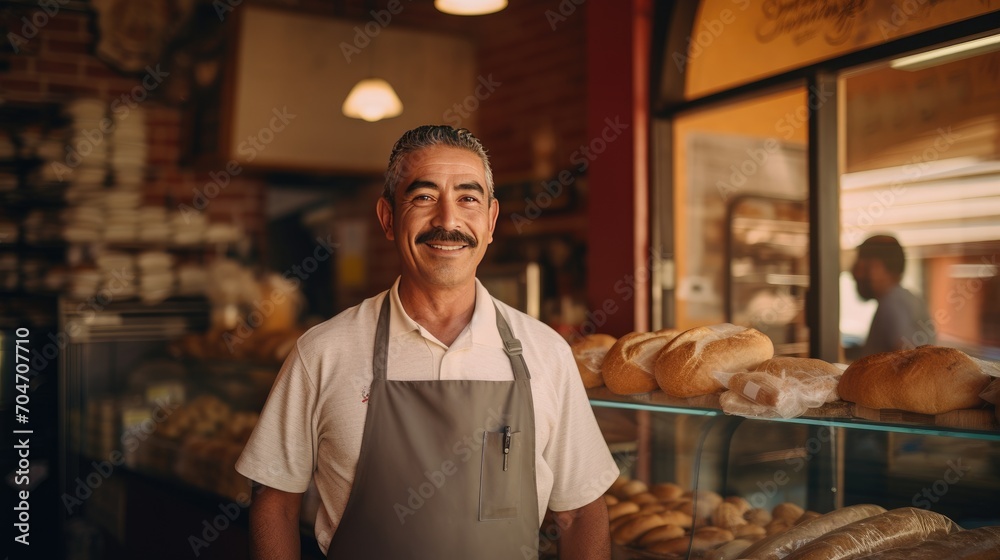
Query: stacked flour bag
x,y
85,166
129,149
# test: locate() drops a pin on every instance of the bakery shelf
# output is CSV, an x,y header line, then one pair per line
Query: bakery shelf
x,y
833,415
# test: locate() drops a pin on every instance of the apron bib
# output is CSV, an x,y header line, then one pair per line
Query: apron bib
x,y
447,468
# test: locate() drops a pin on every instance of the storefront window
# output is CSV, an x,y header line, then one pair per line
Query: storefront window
x,y
741,226
921,163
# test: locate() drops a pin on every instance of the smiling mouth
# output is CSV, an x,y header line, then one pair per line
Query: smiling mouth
x,y
447,247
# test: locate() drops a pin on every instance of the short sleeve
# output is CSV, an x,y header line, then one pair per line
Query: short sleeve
x,y
582,466
282,449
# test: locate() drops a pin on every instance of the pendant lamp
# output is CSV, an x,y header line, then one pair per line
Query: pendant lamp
x,y
372,99
470,7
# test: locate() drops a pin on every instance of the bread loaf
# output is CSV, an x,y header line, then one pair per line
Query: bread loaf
x,y
823,374
684,367
885,531
974,544
784,543
589,353
926,379
628,365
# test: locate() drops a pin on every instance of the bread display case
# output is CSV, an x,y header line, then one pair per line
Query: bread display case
x,y
740,480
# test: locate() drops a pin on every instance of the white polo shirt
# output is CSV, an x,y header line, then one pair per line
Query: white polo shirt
x,y
313,421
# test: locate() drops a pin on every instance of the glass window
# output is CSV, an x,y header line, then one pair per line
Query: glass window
x,y
921,164
740,225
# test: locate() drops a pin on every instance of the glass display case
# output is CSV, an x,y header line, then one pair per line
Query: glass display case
x,y
822,461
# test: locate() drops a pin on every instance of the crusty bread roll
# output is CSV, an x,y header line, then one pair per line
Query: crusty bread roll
x,y
628,365
678,518
741,503
623,519
684,367
667,491
661,533
589,353
926,380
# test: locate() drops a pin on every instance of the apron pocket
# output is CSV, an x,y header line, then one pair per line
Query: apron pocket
x,y
499,489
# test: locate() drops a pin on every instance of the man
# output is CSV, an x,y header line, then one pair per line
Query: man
x,y
902,319
436,422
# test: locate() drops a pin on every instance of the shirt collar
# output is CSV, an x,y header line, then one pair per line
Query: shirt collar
x,y
481,330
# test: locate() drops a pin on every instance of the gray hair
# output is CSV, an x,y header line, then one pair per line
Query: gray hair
x,y
427,136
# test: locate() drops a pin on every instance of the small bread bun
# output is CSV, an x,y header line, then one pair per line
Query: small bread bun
x,y
727,516
622,508
758,516
619,521
610,500
643,498
709,537
658,507
679,518
635,528
778,526
628,365
684,367
633,487
589,353
667,491
661,533
741,504
749,531
787,511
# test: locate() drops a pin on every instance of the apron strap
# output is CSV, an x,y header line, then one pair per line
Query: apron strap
x,y
381,356
512,346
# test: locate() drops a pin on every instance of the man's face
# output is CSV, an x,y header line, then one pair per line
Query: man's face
x,y
862,271
442,220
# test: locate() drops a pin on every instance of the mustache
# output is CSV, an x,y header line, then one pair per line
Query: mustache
x,y
441,234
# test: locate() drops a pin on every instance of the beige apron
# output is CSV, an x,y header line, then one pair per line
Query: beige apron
x,y
447,468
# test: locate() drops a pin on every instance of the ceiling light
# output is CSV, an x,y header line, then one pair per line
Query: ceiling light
x,y
372,99
950,53
470,7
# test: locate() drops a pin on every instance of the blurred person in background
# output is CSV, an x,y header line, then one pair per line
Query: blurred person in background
x,y
902,319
